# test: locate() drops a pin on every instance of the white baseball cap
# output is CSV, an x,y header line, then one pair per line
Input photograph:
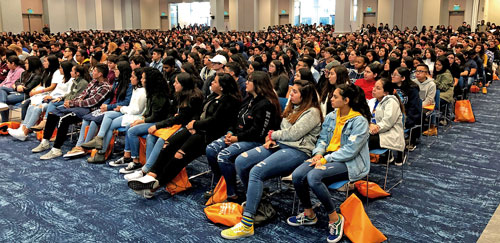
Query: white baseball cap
x,y
219,59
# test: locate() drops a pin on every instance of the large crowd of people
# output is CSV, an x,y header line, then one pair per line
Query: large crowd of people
x,y
296,100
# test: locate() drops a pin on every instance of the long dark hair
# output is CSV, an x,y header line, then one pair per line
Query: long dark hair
x,y
34,66
66,67
138,74
407,83
309,99
306,74
83,71
229,86
195,75
263,87
123,79
48,73
155,83
445,63
388,87
357,99
189,90
342,78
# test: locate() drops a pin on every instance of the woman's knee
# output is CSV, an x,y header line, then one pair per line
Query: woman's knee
x,y
314,177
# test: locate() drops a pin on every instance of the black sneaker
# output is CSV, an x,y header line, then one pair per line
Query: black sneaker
x,y
120,162
411,147
131,167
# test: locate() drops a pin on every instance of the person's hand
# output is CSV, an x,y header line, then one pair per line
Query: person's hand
x,y
56,100
117,108
136,122
192,131
189,126
316,157
66,103
269,144
152,129
231,140
374,129
19,88
104,107
47,98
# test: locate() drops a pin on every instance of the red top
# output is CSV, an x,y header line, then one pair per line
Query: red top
x,y
367,86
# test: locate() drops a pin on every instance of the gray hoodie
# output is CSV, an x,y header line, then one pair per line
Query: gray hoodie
x,y
303,134
427,91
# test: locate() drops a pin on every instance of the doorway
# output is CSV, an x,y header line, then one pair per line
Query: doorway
x,y
456,19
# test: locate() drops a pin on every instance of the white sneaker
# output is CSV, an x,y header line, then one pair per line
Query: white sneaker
x,y
131,167
145,182
146,193
53,153
3,107
41,147
17,133
134,175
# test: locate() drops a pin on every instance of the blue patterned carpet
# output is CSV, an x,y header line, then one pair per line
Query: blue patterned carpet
x,y
449,194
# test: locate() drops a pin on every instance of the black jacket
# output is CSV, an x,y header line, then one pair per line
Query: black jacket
x,y
220,114
182,115
157,108
29,81
256,117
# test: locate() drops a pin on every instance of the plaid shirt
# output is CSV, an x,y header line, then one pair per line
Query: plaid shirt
x,y
92,96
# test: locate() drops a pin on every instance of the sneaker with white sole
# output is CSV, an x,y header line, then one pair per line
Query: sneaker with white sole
x,y
301,219
238,231
53,153
134,175
41,147
17,134
335,230
120,162
131,167
75,151
146,193
145,182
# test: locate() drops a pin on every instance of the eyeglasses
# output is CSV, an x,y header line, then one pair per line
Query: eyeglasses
x,y
418,71
395,75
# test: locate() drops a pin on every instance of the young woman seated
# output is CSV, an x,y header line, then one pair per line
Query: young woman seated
x,y
259,113
341,153
386,125
186,106
219,113
157,107
36,108
283,151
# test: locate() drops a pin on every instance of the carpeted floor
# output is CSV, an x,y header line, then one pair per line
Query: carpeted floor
x,y
450,191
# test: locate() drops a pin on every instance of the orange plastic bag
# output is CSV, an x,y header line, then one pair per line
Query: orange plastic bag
x,y
474,89
463,111
111,145
39,135
179,183
5,125
220,193
358,226
165,133
228,213
374,190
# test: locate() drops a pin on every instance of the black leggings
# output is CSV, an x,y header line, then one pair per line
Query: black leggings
x,y
374,141
62,123
167,166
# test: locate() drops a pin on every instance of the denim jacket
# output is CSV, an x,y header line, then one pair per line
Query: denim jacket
x,y
353,149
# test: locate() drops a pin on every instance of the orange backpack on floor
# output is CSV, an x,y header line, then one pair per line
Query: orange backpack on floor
x,y
6,125
220,193
179,183
228,213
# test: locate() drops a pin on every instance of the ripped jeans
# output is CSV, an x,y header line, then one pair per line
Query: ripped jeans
x,y
221,158
259,164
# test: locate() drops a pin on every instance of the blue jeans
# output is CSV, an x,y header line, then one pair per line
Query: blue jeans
x,y
33,114
9,99
154,145
132,138
259,164
90,133
112,120
51,107
221,158
306,176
